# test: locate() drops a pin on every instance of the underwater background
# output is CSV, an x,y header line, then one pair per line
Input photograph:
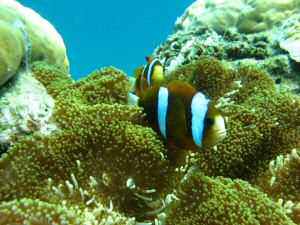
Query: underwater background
x,y
206,132
109,33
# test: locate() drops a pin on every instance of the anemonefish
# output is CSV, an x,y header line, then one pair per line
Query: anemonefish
x,y
150,74
184,117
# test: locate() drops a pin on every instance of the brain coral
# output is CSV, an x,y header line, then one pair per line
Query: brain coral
x,y
10,59
247,16
26,36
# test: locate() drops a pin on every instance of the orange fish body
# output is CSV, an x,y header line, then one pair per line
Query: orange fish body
x,y
183,116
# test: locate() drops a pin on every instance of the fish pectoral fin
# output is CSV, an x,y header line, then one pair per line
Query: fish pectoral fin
x,y
132,99
177,120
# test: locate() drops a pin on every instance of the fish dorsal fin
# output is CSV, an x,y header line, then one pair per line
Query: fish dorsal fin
x,y
149,58
176,122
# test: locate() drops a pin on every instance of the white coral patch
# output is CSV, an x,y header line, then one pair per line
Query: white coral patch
x,y
25,108
289,38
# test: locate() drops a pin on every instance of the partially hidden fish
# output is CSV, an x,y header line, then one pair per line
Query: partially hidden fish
x,y
150,74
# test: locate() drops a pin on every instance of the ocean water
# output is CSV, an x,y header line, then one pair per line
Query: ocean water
x,y
100,33
78,153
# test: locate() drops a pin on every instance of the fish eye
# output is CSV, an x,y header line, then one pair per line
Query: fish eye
x,y
209,121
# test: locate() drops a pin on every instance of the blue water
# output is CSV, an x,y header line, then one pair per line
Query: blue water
x,y
116,33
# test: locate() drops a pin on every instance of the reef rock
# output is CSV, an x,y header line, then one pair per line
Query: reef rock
x,y
25,108
290,38
253,32
246,16
26,36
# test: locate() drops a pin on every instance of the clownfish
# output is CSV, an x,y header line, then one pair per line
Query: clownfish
x,y
184,117
150,74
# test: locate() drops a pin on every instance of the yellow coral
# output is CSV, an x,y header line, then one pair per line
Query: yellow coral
x,y
282,182
208,75
51,77
99,142
204,200
28,211
261,122
103,154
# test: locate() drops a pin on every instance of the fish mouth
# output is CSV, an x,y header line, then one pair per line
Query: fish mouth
x,y
220,136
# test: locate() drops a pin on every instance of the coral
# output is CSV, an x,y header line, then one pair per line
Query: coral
x,y
289,39
29,211
78,153
260,50
105,86
10,60
282,182
239,31
207,75
51,77
261,122
108,85
219,15
25,108
283,179
247,16
280,69
204,200
257,16
100,155
184,47
27,37
103,163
